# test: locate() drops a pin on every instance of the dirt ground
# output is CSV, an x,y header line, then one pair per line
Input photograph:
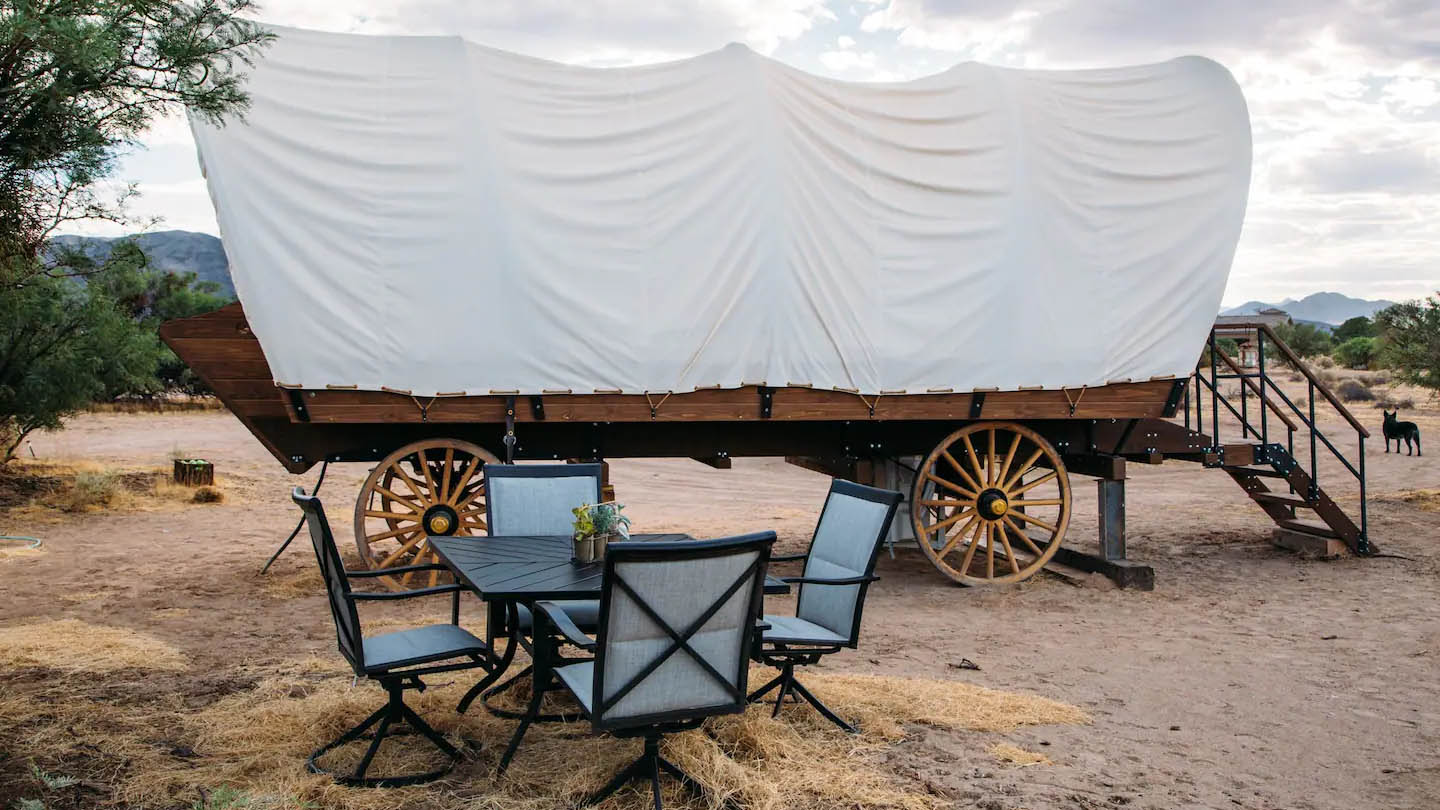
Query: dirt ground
x,y
1249,678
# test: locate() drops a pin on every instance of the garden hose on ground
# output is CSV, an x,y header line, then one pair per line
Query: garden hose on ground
x,y
33,542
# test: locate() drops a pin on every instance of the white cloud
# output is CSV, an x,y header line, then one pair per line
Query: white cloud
x,y
847,61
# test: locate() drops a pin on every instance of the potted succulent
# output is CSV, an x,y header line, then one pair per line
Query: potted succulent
x,y
596,524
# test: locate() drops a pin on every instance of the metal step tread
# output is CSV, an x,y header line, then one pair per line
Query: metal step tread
x,y
1284,499
1259,472
1308,527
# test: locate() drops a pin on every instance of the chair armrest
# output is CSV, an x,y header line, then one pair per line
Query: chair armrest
x,y
774,558
819,581
404,569
762,625
394,595
557,616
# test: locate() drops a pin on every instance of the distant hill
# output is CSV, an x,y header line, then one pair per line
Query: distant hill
x,y
175,251
1322,307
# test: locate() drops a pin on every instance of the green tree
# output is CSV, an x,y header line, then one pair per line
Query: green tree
x,y
64,345
1358,326
1306,340
1411,335
79,81
1357,352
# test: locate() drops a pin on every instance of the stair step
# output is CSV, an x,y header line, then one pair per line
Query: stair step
x,y
1308,527
1324,548
1284,499
1259,472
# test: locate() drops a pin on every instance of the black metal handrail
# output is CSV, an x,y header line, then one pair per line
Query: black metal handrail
x,y
1260,383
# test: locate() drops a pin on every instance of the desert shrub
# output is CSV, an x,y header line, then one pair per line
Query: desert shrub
x,y
91,489
208,495
1379,379
1390,403
1294,377
1306,340
1358,326
1357,352
1325,361
1353,390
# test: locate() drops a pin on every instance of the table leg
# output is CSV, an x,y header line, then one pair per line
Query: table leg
x,y
540,677
501,666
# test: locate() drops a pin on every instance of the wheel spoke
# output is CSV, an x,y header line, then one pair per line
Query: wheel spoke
x,y
989,551
970,549
950,545
1009,552
974,461
953,463
464,481
1037,482
392,533
952,487
1004,470
417,508
990,479
404,547
1039,502
411,483
1036,521
946,503
1020,533
1023,468
445,481
375,513
429,478
947,523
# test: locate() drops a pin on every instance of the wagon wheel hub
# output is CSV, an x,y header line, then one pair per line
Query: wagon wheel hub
x,y
440,519
992,504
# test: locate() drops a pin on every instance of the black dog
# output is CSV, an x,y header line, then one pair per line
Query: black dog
x,y
1397,430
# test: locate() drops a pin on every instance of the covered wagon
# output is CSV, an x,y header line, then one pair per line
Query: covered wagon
x,y
971,283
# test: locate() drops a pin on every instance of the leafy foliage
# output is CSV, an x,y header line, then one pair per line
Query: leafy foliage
x,y
1358,326
601,518
1357,352
1306,340
81,78
1411,333
63,345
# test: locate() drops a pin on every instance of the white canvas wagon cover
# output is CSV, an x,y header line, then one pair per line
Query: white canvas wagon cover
x,y
430,215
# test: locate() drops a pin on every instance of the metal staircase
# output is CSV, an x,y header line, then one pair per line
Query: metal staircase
x,y
1264,460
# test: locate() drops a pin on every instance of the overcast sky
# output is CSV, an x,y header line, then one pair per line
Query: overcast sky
x,y
1344,96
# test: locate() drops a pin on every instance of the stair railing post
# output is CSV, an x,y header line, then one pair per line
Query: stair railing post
x,y
1290,448
1314,467
1187,405
1264,381
1364,545
1214,394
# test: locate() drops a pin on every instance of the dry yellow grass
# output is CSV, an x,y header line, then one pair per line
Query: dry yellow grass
x,y
70,645
1427,499
256,740
1016,755
49,492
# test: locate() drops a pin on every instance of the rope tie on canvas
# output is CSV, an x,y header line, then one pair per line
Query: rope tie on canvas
x,y
655,406
1075,402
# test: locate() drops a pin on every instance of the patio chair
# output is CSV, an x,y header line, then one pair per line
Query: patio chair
x,y
395,660
524,499
839,568
676,621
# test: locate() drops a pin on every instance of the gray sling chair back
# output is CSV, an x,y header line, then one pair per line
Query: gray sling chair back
x,y
395,660
839,568
676,626
532,499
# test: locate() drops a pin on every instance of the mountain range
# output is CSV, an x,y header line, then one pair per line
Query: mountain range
x,y
1322,308
175,251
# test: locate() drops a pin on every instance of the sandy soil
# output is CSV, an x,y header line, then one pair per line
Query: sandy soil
x,y
1250,678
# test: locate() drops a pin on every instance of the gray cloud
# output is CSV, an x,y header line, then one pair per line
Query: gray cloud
x,y
1359,169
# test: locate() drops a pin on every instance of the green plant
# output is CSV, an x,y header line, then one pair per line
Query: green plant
x,y
1411,333
91,489
1358,326
1357,352
600,519
1306,340
28,804
52,781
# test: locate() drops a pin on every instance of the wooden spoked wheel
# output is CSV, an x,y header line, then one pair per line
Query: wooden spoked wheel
x,y
429,487
991,503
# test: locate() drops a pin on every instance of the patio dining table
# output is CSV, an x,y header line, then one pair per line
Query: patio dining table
x,y
511,571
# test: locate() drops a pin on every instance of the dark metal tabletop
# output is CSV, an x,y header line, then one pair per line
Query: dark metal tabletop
x,y
535,567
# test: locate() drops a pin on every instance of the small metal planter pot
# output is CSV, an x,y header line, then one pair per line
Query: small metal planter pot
x,y
584,550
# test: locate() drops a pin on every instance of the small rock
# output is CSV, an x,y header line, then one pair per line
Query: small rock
x,y
1174,728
